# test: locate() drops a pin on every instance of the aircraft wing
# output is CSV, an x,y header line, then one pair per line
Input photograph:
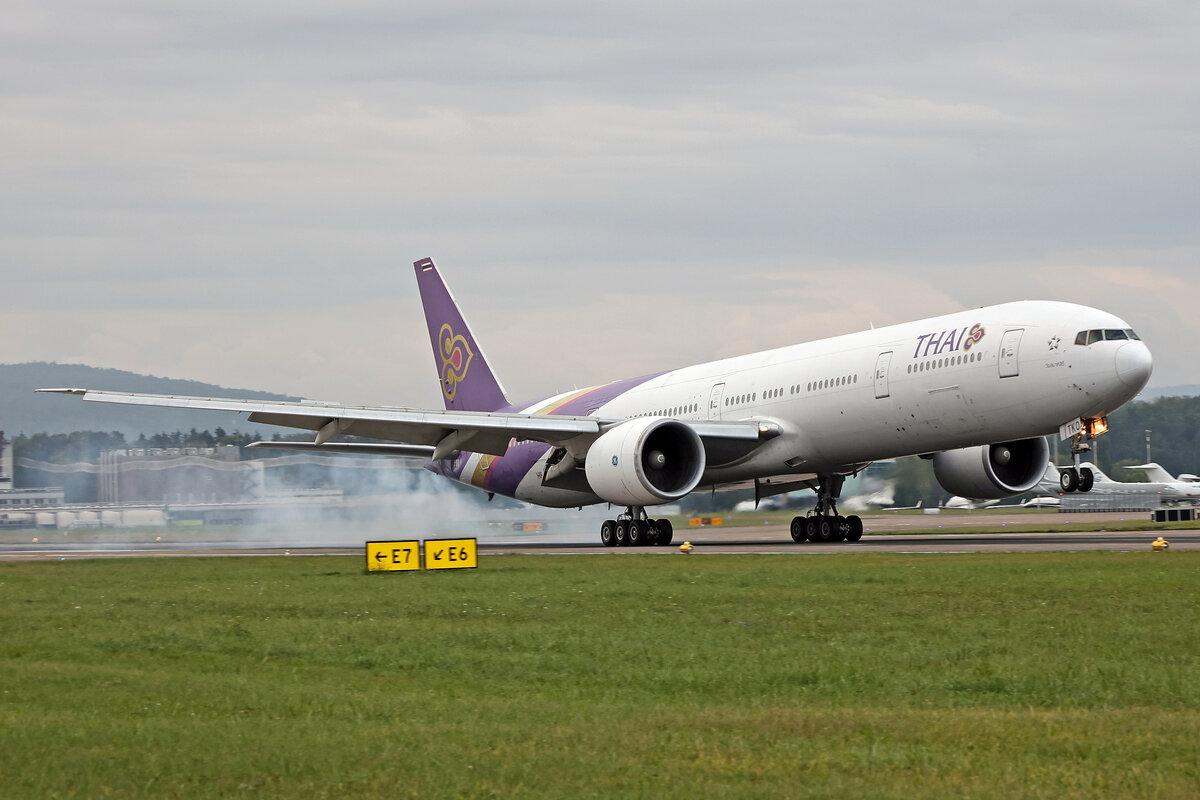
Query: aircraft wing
x,y
442,431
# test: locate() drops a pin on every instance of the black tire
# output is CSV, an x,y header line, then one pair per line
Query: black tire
x,y
825,529
622,533
665,531
811,529
799,530
1068,480
652,532
839,528
636,533
854,528
608,533
1087,479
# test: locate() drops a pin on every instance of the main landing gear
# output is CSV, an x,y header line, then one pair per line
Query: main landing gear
x,y
824,523
635,529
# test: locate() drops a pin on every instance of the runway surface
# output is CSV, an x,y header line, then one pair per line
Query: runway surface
x,y
886,533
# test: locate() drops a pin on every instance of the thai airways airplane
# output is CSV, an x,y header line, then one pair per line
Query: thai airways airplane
x,y
975,391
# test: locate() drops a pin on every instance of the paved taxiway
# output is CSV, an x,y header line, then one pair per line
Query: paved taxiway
x,y
887,533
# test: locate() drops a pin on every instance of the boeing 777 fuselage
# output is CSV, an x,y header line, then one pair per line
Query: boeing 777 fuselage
x,y
976,391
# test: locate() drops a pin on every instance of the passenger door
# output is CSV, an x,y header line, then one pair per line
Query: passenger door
x,y
1010,350
882,365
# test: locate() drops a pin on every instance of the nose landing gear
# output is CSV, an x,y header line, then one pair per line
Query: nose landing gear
x,y
1077,478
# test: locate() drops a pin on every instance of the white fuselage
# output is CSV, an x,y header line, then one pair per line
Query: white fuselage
x,y
994,374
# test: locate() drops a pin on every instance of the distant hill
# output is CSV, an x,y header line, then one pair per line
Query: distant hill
x,y
22,410
1154,393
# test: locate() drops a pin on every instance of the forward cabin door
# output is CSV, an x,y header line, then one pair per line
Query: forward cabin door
x,y
1010,348
714,401
881,375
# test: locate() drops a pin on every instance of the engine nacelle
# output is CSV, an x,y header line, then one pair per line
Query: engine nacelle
x,y
645,461
992,471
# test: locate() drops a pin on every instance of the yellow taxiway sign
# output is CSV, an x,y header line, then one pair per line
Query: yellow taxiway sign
x,y
393,556
450,554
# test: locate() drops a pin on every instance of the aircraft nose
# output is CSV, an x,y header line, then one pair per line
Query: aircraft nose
x,y
1134,364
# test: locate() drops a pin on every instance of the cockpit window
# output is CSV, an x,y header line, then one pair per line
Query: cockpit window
x,y
1107,335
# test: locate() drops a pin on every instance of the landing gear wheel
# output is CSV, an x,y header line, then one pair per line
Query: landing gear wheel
x,y
608,533
622,533
1087,479
799,532
839,528
1068,480
665,531
854,528
810,529
652,532
636,533
825,529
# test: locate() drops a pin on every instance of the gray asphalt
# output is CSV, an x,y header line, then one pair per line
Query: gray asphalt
x,y
765,539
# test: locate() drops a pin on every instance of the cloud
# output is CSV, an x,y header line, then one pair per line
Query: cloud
x,y
623,168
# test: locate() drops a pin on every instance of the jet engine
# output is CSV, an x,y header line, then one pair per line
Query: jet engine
x,y
992,471
644,462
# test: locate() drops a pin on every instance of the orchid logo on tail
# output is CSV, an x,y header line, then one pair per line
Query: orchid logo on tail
x,y
456,357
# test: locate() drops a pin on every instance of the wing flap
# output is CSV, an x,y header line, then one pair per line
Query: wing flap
x,y
352,448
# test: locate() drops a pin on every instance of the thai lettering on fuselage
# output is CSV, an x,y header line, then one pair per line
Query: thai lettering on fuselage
x,y
948,341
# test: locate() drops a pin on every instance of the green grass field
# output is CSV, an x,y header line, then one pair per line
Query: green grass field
x,y
618,675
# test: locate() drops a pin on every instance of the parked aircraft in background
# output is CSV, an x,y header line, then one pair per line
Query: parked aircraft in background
x,y
1169,492
975,391
965,503
1154,472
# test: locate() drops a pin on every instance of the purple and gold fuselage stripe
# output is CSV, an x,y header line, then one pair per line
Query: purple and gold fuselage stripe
x,y
503,474
553,408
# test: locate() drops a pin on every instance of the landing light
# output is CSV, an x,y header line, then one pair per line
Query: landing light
x,y
1095,426
768,430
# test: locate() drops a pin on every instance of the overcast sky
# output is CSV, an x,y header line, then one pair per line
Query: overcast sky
x,y
234,192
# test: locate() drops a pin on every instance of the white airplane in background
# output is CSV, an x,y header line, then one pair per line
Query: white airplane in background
x,y
975,391
1171,491
1155,472
967,504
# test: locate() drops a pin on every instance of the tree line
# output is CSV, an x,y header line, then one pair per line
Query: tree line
x,y
86,446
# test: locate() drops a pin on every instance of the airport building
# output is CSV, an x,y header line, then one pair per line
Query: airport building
x,y
177,475
18,506
212,485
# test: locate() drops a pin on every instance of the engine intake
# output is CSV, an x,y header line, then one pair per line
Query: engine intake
x,y
645,461
992,471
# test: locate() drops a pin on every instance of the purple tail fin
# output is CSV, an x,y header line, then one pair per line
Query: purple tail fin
x,y
468,383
